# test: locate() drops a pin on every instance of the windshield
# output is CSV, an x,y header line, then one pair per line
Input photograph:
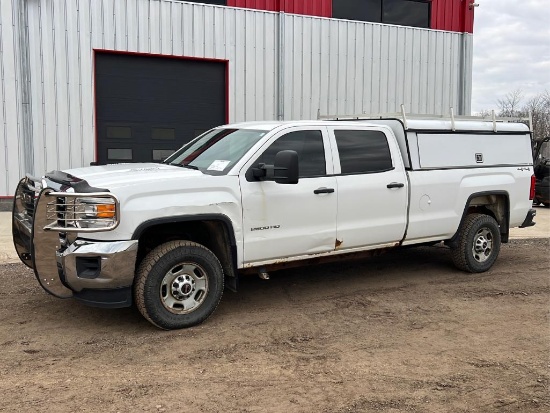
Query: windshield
x,y
217,150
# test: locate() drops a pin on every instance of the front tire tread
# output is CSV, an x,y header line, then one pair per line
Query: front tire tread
x,y
147,266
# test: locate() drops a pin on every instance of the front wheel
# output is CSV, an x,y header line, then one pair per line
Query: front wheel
x,y
478,243
179,284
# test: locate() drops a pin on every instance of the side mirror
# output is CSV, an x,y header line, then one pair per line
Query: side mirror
x,y
286,170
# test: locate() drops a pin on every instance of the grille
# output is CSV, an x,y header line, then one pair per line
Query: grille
x,y
28,200
61,211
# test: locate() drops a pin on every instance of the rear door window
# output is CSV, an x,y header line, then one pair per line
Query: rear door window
x,y
363,151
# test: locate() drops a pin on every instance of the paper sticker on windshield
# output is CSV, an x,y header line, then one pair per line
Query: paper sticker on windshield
x,y
218,165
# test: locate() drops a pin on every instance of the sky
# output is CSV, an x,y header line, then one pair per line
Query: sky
x,y
511,50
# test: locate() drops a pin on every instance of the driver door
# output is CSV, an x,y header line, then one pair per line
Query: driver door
x,y
289,220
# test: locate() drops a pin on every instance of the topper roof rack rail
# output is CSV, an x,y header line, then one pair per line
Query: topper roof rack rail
x,y
406,116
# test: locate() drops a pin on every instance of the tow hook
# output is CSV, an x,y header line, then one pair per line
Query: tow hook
x,y
263,274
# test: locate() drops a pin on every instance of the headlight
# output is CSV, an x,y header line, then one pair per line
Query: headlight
x,y
72,212
94,212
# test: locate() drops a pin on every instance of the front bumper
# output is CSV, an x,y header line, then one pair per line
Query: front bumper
x,y
88,264
97,273
97,265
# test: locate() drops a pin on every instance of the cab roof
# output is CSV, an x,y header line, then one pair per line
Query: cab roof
x,y
270,125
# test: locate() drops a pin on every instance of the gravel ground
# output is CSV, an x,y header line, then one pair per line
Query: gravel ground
x,y
401,332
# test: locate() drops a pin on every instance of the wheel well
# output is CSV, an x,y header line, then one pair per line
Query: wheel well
x,y
213,234
494,205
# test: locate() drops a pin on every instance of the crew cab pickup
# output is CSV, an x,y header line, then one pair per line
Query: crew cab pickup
x,y
265,195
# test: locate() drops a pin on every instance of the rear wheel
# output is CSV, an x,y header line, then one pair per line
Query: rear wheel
x,y
179,284
478,243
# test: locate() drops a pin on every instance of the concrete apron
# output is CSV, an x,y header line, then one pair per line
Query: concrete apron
x,y
541,230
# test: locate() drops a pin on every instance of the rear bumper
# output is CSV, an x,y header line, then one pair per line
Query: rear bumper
x,y
528,222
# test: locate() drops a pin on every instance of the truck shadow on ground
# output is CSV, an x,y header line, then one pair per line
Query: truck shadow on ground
x,y
296,286
310,285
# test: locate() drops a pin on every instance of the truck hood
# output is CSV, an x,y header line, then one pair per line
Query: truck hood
x,y
149,191
117,176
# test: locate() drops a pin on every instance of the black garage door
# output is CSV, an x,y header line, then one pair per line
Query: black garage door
x,y
147,107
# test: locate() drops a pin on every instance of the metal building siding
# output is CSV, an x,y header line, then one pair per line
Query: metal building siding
x,y
333,65
11,156
448,15
469,15
322,8
346,67
452,15
65,33
268,5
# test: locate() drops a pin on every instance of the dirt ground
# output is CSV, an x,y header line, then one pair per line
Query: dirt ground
x,y
401,332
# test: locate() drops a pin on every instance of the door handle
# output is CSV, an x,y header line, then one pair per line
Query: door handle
x,y
395,185
323,191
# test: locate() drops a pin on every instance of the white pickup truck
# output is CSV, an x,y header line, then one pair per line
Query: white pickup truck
x,y
265,195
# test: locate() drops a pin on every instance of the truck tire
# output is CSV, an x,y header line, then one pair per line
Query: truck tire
x,y
478,243
178,284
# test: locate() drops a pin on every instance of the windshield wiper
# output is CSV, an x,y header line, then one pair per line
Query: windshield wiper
x,y
196,168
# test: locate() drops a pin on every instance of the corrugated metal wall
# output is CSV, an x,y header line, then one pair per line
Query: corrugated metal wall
x,y
64,33
269,5
448,15
452,15
335,66
321,8
11,146
344,67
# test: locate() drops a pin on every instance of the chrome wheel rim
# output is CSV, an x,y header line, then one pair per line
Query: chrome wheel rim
x,y
184,288
483,245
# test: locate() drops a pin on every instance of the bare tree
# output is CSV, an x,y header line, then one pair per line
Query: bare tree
x,y
513,105
538,106
510,106
485,113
